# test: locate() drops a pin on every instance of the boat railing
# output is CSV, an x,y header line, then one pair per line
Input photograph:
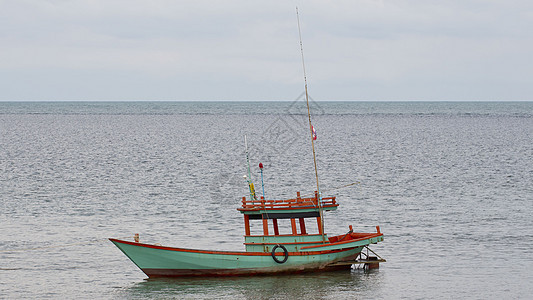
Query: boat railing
x,y
287,203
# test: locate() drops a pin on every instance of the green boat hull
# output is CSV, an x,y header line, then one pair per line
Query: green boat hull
x,y
159,261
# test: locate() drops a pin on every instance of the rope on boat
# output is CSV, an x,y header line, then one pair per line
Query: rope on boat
x,y
63,245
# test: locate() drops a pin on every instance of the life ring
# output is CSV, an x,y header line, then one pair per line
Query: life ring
x,y
285,254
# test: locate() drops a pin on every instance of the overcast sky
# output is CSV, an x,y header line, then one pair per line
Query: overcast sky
x,y
249,50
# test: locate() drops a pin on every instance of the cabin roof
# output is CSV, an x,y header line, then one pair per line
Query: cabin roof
x,y
289,208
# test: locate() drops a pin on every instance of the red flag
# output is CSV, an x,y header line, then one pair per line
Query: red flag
x,y
314,132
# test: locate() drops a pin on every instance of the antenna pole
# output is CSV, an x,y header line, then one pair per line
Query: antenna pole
x,y
319,200
262,182
249,178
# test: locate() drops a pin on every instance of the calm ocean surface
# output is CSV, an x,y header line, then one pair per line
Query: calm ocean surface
x,y
450,184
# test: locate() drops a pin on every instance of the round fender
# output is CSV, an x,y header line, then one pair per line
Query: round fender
x,y
285,254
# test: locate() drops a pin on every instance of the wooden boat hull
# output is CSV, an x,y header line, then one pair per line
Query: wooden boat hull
x,y
160,261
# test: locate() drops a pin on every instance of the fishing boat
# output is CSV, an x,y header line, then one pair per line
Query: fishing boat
x,y
269,252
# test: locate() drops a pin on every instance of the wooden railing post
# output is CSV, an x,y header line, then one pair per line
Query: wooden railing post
x,y
265,226
275,223
302,226
319,222
246,225
293,225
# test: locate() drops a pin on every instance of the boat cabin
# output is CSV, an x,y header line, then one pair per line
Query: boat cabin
x,y
296,210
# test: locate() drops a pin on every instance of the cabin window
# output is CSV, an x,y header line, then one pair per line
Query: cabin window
x,y
256,227
284,226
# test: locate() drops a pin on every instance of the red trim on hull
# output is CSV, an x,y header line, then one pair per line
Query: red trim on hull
x,y
231,252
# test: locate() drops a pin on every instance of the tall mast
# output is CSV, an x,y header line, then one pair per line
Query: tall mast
x,y
311,130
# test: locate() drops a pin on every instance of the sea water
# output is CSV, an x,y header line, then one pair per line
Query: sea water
x,y
449,183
